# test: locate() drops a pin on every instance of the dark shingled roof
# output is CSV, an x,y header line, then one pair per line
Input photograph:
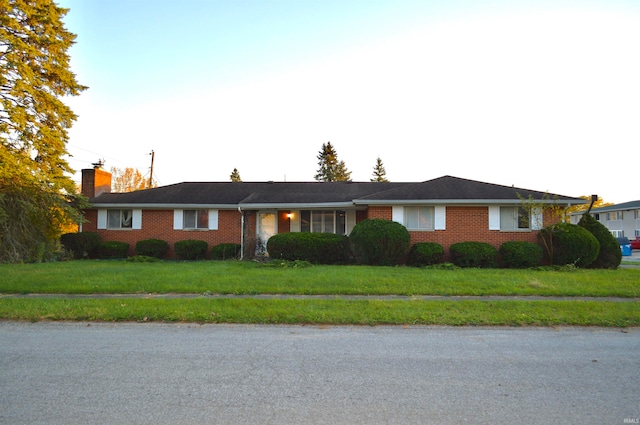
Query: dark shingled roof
x,y
256,193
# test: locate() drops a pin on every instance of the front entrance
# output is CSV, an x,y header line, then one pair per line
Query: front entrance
x,y
267,227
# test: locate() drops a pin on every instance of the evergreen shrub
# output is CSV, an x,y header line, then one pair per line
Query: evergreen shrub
x,y
474,254
610,255
379,242
425,254
226,251
316,248
191,249
520,254
152,248
113,249
565,243
82,245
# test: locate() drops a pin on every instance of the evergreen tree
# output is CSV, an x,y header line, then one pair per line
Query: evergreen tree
x,y
379,173
331,169
37,193
235,176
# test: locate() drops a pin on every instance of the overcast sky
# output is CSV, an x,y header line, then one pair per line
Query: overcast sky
x,y
543,95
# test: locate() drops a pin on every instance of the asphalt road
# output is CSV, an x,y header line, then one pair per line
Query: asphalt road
x,y
79,373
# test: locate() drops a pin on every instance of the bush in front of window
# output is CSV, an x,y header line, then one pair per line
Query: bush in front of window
x,y
425,254
520,254
81,245
474,254
565,244
316,248
152,248
610,255
379,242
113,249
226,251
191,249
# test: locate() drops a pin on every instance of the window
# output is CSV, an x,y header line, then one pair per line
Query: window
x,y
419,218
119,219
514,218
320,221
615,215
195,219
617,233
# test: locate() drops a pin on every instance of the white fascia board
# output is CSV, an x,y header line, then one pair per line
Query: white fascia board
x,y
326,205
452,202
168,206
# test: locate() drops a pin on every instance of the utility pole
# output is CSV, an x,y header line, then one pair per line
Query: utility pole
x,y
151,171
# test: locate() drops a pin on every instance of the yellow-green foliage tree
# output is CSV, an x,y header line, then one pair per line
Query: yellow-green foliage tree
x,y
128,180
37,194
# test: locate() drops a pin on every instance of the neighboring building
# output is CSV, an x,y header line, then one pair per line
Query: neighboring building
x,y
621,219
445,210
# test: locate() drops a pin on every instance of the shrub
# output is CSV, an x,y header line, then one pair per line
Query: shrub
x,y
379,242
226,251
520,254
191,249
152,248
474,254
317,248
425,254
113,249
565,243
81,245
610,255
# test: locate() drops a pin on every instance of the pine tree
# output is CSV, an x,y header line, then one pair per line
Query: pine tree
x,y
37,193
379,173
235,176
331,169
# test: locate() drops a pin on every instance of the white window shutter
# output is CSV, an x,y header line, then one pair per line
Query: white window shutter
x,y
440,213
397,214
177,219
136,217
102,219
536,218
351,221
294,221
494,218
213,219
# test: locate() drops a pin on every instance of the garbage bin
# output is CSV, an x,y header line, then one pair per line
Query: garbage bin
x,y
625,246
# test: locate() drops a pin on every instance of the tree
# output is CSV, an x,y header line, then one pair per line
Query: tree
x,y
379,173
331,169
599,203
128,180
235,176
37,192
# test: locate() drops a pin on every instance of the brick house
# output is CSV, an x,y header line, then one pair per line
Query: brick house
x,y
444,210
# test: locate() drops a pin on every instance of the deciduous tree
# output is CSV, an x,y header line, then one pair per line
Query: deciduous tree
x,y
128,180
331,169
37,193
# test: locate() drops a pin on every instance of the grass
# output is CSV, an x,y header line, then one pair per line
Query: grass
x,y
249,278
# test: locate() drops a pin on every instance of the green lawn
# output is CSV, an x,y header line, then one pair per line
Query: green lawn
x,y
250,278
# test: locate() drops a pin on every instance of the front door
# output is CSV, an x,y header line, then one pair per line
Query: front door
x,y
267,227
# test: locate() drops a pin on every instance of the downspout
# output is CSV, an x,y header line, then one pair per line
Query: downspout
x,y
241,233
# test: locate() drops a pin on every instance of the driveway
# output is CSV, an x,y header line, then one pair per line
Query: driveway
x,y
103,373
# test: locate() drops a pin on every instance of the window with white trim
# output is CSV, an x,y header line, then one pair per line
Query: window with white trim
x,y
419,218
195,219
617,233
120,219
515,218
614,215
323,221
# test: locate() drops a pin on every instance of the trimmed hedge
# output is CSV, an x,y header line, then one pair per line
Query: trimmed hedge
x,y
610,255
82,245
565,243
317,248
520,254
226,251
191,249
113,249
152,248
425,254
474,254
379,242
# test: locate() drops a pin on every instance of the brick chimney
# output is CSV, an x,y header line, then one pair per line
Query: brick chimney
x,y
95,182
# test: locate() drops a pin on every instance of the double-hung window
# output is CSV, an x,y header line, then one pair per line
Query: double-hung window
x,y
195,219
515,218
419,218
119,219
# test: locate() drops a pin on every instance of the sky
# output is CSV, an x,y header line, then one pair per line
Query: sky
x,y
542,95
